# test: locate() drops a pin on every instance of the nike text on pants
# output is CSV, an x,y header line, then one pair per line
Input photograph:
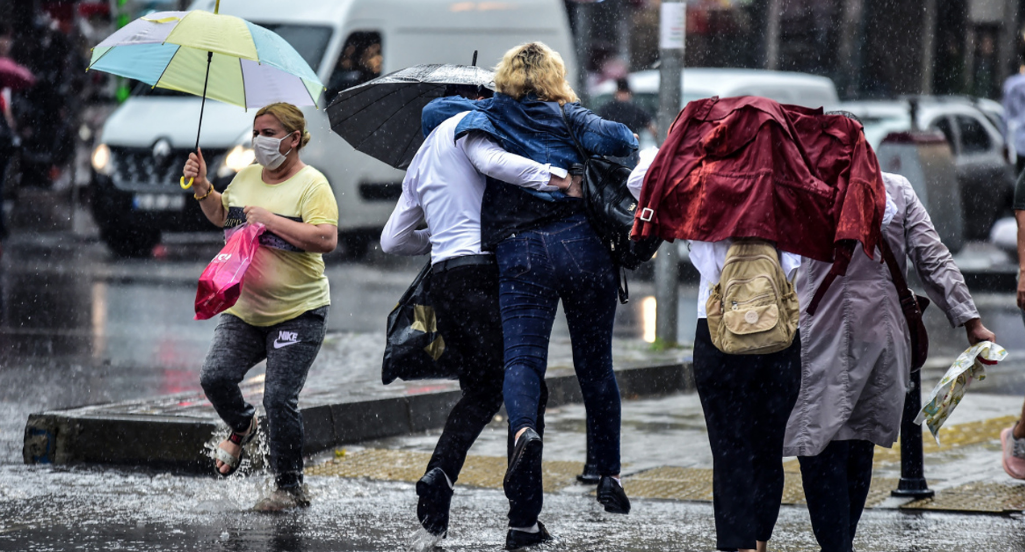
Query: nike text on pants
x,y
289,348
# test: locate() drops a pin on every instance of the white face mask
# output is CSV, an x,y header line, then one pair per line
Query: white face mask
x,y
267,150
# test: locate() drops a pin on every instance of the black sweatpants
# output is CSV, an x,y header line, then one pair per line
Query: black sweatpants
x,y
465,301
836,483
289,348
747,401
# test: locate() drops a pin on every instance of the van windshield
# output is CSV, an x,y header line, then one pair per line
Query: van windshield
x,y
309,40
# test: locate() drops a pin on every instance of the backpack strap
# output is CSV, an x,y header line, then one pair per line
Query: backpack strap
x,y
839,269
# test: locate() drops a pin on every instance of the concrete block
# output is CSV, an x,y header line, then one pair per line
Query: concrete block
x,y
318,428
654,381
430,410
372,419
136,433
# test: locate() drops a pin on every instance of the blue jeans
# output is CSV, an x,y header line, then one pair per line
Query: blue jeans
x,y
562,260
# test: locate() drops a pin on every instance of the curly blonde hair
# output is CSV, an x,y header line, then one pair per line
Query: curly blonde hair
x,y
290,117
534,67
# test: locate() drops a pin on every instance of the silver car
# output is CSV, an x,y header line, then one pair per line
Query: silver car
x,y
985,176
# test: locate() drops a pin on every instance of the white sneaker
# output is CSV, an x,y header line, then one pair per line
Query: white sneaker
x,y
284,499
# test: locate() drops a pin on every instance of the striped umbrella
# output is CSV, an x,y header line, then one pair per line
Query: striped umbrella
x,y
241,63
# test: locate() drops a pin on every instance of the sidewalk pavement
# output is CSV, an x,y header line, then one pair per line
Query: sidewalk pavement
x,y
343,402
390,431
666,456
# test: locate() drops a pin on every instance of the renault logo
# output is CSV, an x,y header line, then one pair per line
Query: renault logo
x,y
161,150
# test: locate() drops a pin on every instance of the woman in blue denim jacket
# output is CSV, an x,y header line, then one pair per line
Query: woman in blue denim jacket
x,y
547,251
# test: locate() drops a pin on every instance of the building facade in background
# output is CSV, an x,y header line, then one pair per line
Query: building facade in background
x,y
870,48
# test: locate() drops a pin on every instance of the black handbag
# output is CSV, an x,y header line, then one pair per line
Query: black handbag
x,y
414,349
610,207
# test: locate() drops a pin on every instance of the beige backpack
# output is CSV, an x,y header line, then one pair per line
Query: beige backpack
x,y
753,310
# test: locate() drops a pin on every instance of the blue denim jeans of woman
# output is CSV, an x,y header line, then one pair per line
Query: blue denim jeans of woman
x,y
562,260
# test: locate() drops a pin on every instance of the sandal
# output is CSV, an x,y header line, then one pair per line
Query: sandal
x,y
232,461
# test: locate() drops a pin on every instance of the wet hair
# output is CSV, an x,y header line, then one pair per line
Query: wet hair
x,y
470,91
534,68
290,118
847,114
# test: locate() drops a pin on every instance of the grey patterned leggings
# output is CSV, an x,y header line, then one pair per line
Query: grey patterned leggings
x,y
290,348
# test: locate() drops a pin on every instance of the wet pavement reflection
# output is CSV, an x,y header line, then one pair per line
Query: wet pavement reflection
x,y
78,326
134,511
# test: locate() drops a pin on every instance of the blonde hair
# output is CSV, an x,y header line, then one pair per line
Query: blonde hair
x,y
290,118
534,67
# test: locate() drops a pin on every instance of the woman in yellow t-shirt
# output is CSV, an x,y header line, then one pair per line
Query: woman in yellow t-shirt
x,y
280,315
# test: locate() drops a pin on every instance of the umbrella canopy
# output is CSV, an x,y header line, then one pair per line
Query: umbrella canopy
x,y
249,66
382,117
15,76
252,66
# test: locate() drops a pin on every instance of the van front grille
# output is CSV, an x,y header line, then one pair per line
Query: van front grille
x,y
380,191
139,167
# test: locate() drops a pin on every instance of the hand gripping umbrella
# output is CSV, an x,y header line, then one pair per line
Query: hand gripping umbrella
x,y
382,117
252,66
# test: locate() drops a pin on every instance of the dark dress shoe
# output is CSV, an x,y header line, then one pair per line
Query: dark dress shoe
x,y
435,499
526,456
515,540
612,496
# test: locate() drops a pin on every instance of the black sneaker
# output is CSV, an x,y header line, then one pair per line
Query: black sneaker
x,y
590,475
515,540
526,455
612,496
435,499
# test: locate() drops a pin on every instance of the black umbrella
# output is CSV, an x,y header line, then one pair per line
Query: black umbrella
x,y
382,117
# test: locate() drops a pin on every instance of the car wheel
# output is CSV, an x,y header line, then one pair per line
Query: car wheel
x,y
130,243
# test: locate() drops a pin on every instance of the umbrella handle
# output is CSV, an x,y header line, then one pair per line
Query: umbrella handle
x,y
184,185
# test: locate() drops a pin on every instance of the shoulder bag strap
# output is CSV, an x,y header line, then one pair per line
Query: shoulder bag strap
x,y
580,148
906,297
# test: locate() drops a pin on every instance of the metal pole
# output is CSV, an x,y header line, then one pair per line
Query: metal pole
x,y
928,45
1008,42
582,22
850,48
912,469
772,34
667,269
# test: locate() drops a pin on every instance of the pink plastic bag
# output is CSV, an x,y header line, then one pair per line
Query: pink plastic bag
x,y
221,282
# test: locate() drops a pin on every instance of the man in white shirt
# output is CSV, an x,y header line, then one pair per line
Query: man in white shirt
x,y
444,186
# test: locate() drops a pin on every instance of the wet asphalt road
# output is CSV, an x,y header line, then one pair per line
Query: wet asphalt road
x,y
78,326
87,509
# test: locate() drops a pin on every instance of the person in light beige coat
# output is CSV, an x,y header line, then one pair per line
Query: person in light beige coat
x,y
856,363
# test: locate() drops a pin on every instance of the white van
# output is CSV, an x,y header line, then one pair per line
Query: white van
x,y
704,82
145,142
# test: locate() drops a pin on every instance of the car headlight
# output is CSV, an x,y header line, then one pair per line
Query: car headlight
x,y
238,158
101,159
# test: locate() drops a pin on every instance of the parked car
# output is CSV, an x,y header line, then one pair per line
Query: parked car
x,y
985,175
145,142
